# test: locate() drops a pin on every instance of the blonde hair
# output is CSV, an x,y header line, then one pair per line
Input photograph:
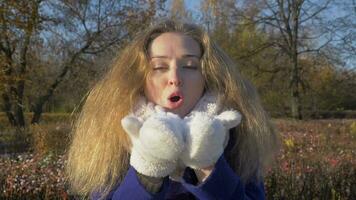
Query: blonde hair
x,y
98,157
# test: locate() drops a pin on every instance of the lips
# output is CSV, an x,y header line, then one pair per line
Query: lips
x,y
175,100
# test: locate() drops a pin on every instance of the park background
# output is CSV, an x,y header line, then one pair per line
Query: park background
x,y
300,55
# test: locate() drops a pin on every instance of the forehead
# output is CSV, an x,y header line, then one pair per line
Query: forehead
x,y
173,44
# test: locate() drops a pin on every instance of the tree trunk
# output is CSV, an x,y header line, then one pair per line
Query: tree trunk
x,y
38,111
44,99
7,109
295,79
295,94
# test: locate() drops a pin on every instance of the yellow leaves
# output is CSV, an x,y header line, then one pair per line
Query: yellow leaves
x,y
20,14
178,11
289,142
353,129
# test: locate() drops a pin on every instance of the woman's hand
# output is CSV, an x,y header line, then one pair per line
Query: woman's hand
x,y
156,143
205,139
204,173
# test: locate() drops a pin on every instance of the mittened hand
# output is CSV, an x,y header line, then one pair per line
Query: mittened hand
x,y
156,143
206,136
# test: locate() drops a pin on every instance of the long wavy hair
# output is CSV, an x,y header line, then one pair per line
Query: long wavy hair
x,y
98,157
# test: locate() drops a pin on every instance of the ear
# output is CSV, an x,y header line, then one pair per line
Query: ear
x,y
230,118
131,125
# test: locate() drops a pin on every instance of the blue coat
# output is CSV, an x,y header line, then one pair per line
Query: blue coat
x,y
222,183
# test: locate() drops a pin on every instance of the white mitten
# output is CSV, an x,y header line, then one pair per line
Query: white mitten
x,y
156,143
207,137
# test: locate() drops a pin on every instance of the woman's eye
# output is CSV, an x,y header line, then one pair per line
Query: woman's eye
x,y
160,68
190,67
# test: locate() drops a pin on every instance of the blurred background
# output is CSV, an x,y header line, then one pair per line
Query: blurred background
x,y
300,55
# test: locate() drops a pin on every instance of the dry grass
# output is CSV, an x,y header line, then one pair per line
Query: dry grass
x,y
317,161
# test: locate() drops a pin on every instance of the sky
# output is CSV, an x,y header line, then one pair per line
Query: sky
x,y
192,4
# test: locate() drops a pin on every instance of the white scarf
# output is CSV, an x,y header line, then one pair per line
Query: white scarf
x,y
209,103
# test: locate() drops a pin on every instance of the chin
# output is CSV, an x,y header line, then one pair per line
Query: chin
x,y
183,113
180,113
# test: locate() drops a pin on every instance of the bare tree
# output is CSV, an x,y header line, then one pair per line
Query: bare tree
x,y
299,24
82,30
270,39
19,22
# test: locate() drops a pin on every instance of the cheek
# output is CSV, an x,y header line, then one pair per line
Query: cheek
x,y
195,81
152,88
195,86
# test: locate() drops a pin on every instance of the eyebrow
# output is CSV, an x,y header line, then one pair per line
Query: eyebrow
x,y
184,56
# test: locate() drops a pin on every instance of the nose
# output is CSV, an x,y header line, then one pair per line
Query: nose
x,y
175,77
175,81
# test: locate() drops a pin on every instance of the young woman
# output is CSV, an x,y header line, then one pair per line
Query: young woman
x,y
172,119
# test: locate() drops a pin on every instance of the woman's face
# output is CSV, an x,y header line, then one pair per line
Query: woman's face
x,y
175,81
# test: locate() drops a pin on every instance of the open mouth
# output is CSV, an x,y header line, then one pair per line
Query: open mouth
x,y
175,99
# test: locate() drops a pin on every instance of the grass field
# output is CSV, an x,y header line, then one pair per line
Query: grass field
x,y
317,160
